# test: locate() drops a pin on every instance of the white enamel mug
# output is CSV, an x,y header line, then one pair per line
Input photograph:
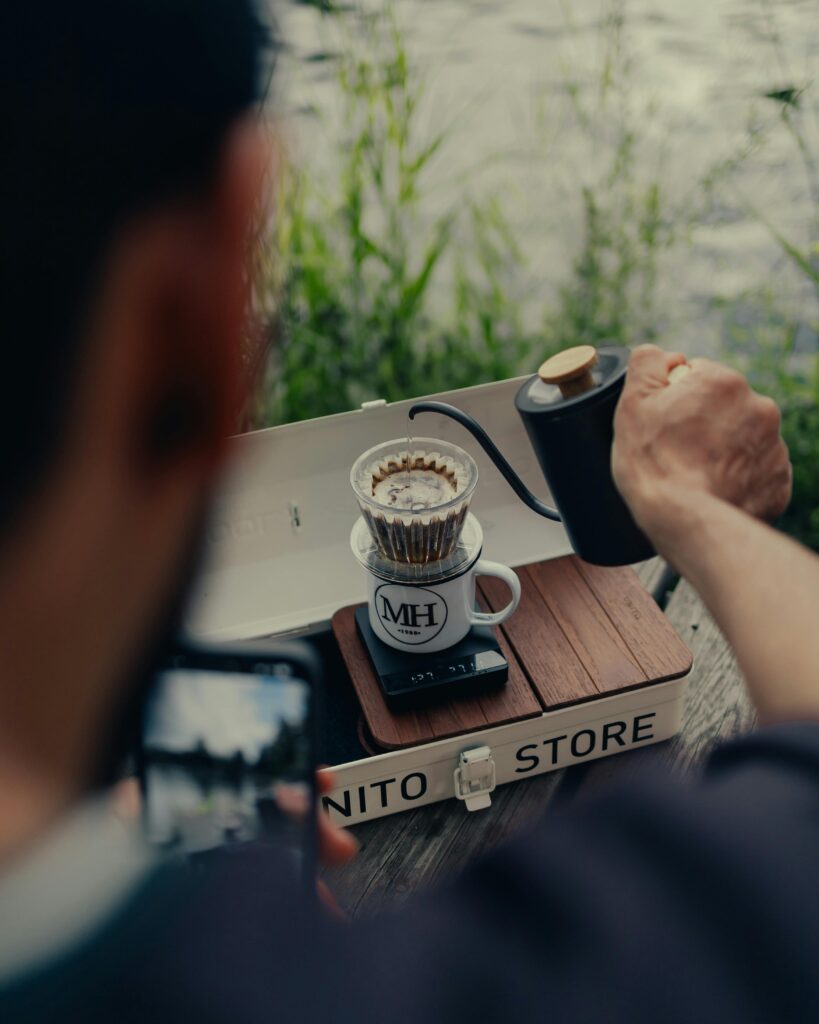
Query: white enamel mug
x,y
426,617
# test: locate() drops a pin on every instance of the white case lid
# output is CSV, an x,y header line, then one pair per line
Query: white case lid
x,y
279,555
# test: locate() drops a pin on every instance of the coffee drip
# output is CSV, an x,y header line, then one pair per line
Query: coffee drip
x,y
417,482
414,489
414,498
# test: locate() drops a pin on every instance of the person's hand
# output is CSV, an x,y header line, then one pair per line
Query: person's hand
x,y
336,846
706,435
125,799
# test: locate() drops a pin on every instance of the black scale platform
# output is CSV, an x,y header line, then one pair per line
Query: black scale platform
x,y
408,681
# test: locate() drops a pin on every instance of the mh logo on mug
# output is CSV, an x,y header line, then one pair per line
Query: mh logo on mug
x,y
410,622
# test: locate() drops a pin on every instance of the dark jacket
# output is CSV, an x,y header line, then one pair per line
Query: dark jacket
x,y
661,902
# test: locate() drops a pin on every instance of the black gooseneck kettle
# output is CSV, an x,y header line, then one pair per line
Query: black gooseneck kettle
x,y
568,408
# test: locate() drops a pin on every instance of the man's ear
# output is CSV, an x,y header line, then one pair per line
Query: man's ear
x,y
190,299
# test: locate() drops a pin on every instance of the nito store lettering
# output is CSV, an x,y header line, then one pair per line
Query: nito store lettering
x,y
534,756
598,739
357,799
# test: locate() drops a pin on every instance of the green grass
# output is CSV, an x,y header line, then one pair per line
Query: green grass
x,y
764,329
762,341
375,294
610,294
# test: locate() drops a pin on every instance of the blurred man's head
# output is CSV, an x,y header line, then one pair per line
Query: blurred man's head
x,y
130,175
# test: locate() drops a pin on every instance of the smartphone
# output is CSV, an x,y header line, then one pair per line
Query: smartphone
x,y
227,752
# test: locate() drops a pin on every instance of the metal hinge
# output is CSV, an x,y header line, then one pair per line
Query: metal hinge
x,y
475,778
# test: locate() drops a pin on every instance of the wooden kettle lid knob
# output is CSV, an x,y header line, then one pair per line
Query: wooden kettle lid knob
x,y
570,370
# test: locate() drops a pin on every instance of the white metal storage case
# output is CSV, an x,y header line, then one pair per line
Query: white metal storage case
x,y
279,562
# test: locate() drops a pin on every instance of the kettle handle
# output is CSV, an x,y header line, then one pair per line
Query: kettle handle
x,y
491,449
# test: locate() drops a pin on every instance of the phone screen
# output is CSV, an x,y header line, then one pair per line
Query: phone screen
x,y
227,758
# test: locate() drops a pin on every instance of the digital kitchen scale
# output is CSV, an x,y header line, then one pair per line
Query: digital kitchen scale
x,y
410,681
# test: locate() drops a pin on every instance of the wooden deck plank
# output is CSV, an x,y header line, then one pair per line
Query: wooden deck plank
x,y
651,573
419,849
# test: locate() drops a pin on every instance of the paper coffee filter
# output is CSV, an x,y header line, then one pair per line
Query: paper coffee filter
x,y
463,555
426,530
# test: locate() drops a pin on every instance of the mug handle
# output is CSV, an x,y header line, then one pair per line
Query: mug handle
x,y
483,567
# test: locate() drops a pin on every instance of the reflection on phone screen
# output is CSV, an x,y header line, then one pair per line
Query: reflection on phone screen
x,y
227,760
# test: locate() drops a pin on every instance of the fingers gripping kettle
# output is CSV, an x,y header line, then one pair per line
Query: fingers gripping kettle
x,y
567,408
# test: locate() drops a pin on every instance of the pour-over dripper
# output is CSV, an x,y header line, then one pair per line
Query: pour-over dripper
x,y
424,531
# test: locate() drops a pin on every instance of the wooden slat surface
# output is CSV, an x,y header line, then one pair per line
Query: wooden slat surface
x,y
624,599
418,849
556,673
582,631
590,631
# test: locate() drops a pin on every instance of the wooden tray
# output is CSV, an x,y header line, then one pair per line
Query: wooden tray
x,y
581,632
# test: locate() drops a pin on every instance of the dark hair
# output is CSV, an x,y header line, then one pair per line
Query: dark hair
x,y
107,108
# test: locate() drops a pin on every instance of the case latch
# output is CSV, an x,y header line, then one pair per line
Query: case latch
x,y
475,778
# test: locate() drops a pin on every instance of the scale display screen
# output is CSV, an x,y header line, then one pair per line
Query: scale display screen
x,y
445,671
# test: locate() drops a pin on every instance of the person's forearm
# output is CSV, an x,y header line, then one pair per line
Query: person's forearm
x,y
763,591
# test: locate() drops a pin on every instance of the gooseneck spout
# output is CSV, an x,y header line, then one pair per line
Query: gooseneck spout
x,y
491,449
